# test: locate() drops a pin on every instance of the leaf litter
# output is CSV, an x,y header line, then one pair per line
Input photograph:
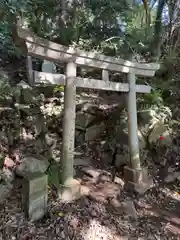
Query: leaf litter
x,y
113,216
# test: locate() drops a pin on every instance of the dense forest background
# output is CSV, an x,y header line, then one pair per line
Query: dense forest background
x,y
136,30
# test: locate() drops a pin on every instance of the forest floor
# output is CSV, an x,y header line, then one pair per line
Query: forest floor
x,y
107,213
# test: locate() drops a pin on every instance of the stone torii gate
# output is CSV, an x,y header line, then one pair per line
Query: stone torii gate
x,y
47,50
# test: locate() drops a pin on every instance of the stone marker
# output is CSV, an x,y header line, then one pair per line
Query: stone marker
x,y
34,195
48,67
137,180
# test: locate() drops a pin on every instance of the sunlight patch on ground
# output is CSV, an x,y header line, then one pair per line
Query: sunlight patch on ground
x,y
171,194
96,231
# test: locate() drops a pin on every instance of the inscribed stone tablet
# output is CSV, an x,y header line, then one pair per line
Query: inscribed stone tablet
x,y
35,196
48,67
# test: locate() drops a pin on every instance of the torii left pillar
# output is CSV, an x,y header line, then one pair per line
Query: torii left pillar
x,y
70,188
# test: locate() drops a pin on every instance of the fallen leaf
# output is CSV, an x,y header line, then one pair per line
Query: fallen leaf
x,y
61,214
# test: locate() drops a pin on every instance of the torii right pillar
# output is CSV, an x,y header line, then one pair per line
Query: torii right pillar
x,y
136,177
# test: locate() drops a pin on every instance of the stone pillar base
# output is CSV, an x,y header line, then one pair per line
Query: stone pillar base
x,y
72,192
137,180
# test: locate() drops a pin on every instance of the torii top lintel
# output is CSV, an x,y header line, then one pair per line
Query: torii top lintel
x,y
48,50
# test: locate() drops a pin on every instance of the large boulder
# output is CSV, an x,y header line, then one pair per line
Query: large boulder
x,y
31,165
160,130
26,93
87,113
83,119
89,122
8,176
153,123
94,132
121,135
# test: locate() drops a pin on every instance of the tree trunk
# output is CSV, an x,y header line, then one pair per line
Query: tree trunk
x,y
156,44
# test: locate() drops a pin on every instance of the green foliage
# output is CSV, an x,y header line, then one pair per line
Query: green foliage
x,y
87,24
7,91
153,99
7,45
58,88
113,27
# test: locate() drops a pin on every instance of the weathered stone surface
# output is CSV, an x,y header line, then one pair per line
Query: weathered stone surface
x,y
154,115
135,175
51,140
129,209
152,123
121,135
120,160
79,137
119,141
24,85
178,178
31,165
91,172
3,137
86,113
116,203
139,188
148,116
107,157
137,180
5,190
82,161
27,93
94,132
48,67
8,175
172,177
122,238
82,119
160,130
34,196
119,181
171,169
105,178
71,192
85,191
